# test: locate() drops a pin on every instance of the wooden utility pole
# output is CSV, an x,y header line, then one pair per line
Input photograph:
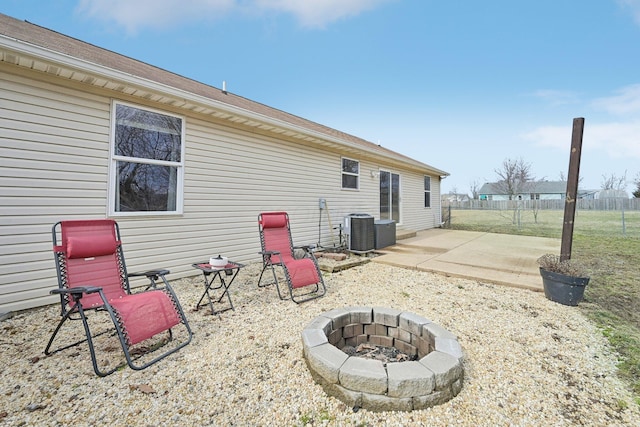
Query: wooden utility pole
x,y
572,189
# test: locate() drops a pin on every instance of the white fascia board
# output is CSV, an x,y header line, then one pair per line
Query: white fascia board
x,y
64,60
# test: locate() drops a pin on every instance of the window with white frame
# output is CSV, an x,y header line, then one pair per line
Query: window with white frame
x,y
350,174
427,191
147,161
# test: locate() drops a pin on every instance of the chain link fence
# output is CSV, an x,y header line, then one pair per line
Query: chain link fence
x,y
612,216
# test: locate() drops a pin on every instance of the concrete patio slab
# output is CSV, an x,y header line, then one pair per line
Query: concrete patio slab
x,y
497,258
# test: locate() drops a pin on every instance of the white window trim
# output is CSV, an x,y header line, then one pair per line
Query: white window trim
x,y
400,184
357,175
113,160
430,191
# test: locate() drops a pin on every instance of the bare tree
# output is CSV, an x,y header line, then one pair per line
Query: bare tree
x,y
515,178
474,187
535,197
614,182
636,182
563,177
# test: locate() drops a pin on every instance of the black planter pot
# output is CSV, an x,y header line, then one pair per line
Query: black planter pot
x,y
567,290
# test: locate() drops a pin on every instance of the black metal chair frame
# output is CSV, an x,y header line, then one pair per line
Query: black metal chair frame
x,y
268,262
74,295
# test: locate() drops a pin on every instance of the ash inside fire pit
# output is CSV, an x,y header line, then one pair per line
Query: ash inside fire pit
x,y
378,352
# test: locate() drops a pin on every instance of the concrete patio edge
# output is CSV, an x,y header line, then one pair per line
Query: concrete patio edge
x,y
503,259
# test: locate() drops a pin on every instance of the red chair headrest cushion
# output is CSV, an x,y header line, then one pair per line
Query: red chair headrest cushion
x,y
86,247
274,220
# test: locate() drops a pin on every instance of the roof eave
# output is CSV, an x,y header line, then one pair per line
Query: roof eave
x,y
190,101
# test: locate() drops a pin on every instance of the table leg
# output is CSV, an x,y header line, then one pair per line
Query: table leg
x,y
209,285
226,288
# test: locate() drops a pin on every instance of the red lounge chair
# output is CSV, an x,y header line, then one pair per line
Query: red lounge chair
x,y
92,275
278,250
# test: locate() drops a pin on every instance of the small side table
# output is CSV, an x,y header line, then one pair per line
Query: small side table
x,y
231,270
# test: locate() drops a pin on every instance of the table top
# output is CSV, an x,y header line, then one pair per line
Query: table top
x,y
207,268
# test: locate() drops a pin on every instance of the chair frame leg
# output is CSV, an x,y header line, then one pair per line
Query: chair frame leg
x,y
267,262
315,293
89,340
125,348
266,265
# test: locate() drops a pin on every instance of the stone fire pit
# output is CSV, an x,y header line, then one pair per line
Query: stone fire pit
x,y
434,378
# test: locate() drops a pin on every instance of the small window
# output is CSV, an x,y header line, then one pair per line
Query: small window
x,y
350,174
427,191
147,165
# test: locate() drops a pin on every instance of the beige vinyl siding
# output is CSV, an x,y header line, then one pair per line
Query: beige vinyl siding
x,y
52,166
415,215
436,201
54,155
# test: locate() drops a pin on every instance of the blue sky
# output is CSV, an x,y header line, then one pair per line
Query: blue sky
x,y
460,84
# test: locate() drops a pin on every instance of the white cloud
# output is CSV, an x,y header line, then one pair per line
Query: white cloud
x,y
633,6
319,13
616,140
550,136
556,97
136,15
627,101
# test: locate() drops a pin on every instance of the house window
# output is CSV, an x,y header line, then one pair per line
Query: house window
x,y
147,162
427,191
350,174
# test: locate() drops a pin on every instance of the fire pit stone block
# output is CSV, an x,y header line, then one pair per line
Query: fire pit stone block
x,y
446,368
361,315
365,375
325,361
386,316
371,384
408,379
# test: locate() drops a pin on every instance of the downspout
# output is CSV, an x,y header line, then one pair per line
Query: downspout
x,y
440,201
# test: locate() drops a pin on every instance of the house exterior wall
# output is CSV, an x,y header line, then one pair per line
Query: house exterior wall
x,y
54,157
526,196
551,197
414,215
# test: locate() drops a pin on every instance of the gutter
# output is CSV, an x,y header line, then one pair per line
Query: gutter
x,y
47,55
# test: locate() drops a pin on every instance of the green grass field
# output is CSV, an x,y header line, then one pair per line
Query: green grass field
x,y
609,245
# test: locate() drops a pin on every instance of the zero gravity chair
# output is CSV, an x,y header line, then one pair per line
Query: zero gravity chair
x,y
92,276
278,251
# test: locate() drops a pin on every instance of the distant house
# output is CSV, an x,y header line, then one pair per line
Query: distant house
x,y
588,194
455,197
611,194
536,190
185,168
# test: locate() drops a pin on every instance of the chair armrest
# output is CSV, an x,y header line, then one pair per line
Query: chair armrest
x,y
151,273
306,248
269,252
76,290
268,255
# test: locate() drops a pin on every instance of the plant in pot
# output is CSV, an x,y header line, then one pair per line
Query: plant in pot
x,y
563,280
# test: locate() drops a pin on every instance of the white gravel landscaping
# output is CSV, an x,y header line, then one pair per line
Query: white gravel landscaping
x,y
528,362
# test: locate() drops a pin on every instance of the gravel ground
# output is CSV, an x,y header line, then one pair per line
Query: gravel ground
x,y
529,362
